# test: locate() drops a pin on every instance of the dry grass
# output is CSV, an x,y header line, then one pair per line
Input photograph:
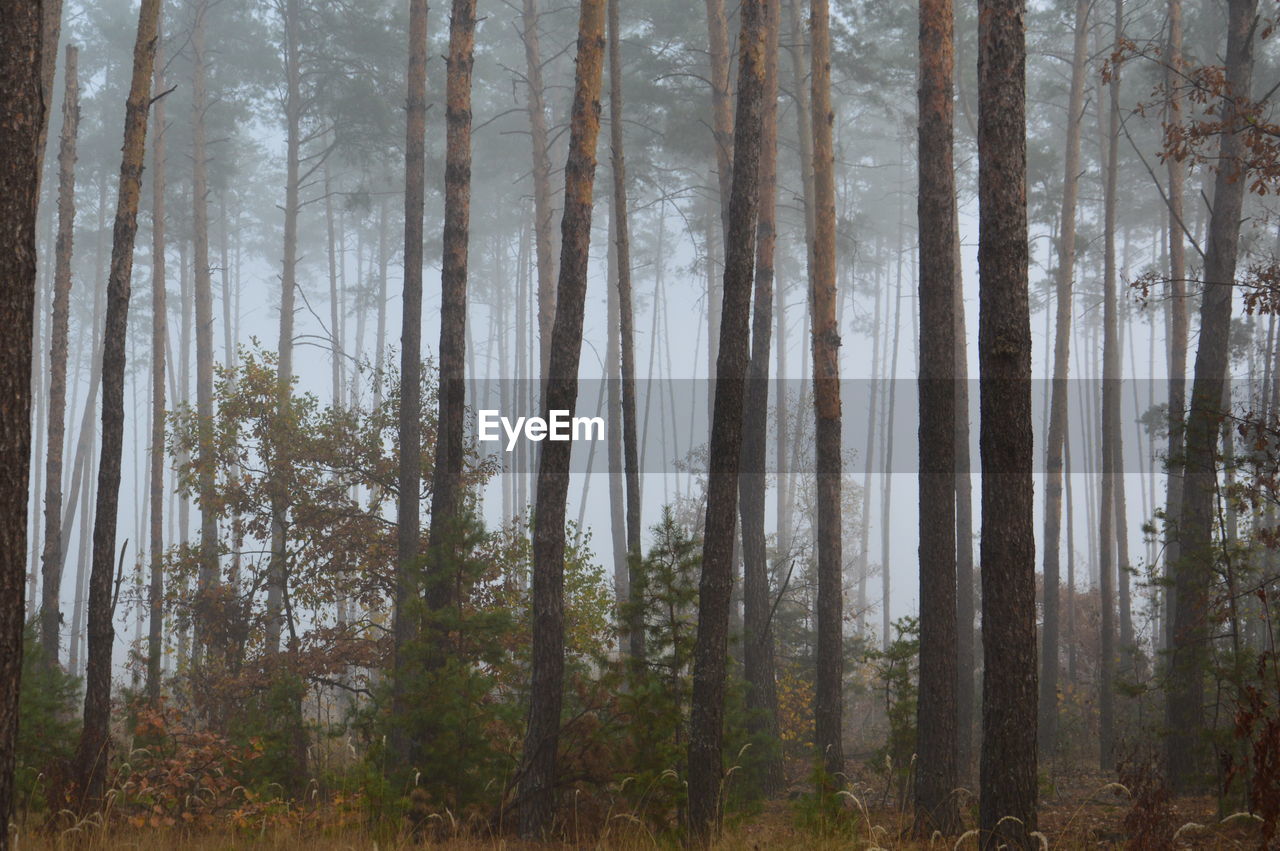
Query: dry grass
x,y
1087,812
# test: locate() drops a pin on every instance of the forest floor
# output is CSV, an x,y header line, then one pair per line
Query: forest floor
x,y
1084,811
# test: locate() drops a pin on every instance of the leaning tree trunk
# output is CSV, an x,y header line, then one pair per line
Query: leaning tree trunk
x,y
626,330
446,490
159,332
1007,811
537,783
405,623
936,777
757,655
91,755
1058,410
1193,575
706,725
20,131
50,608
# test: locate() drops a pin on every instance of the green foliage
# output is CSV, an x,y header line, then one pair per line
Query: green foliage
x,y
48,723
898,669
270,724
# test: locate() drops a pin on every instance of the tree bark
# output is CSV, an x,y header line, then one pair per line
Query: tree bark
x,y
542,200
626,325
92,753
1179,323
721,110
706,726
1185,742
828,698
1007,812
52,558
20,132
446,489
936,778
757,604
537,783
408,511
966,665
1058,405
277,570
207,578
1109,429
159,332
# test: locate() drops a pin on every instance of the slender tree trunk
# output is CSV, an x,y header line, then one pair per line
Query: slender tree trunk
x,y
50,33
542,196
278,568
335,298
966,665
92,753
1058,406
1109,427
52,559
446,491
886,492
613,422
207,578
721,108
757,603
626,316
1193,574
1179,323
1008,783
828,699
936,776
159,332
408,512
537,783
20,133
706,728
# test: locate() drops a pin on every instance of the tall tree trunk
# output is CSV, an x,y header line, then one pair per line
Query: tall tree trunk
x,y
757,656
886,484
966,665
446,490
626,326
52,559
159,332
1008,777
278,568
613,420
1109,427
828,701
1193,574
936,777
92,753
537,784
706,727
408,510
207,577
1058,405
20,133
1179,323
721,109
542,212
